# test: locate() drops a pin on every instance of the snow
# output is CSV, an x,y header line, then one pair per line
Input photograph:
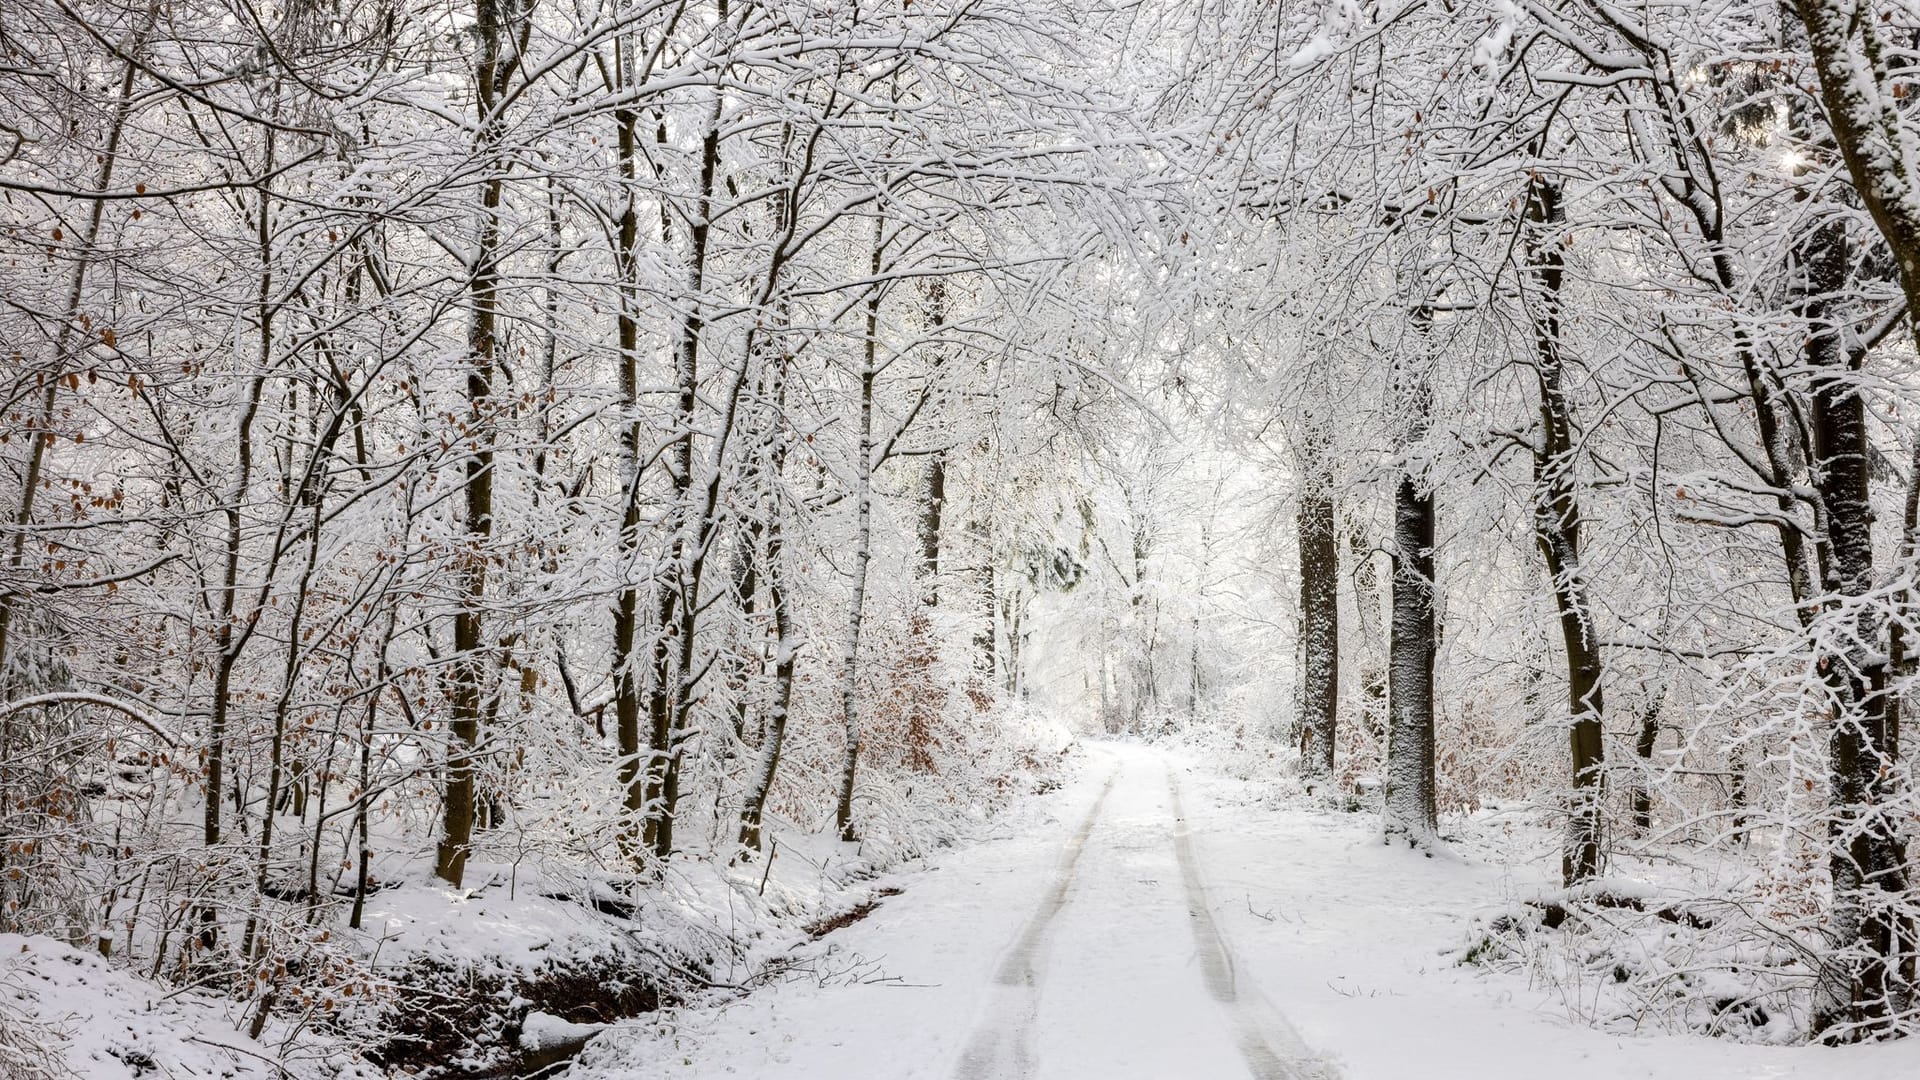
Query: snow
x,y
540,1031
101,1022
1155,917
1031,955
505,919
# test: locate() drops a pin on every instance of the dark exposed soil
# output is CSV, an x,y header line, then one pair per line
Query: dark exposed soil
x,y
457,1022
852,915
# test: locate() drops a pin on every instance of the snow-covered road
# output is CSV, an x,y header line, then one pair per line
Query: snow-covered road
x,y
1154,925
1121,969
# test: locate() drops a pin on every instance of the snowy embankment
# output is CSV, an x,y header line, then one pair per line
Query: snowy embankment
x,y
65,1013
1167,920
1166,913
1364,948
512,974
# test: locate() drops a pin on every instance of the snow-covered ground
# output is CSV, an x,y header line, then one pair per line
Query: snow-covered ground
x,y
1153,918
66,1014
1162,922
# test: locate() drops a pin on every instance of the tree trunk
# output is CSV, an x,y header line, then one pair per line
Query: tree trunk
x,y
747,648
1900,658
310,495
1557,524
676,611
1409,804
1194,686
786,646
862,551
634,764
1319,606
468,705
771,470
987,631
639,761
785,642
14,740
1140,686
933,502
1109,709
1366,605
1865,987
1647,738
40,429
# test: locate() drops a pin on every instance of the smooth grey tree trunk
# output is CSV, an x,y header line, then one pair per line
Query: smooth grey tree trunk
x,y
862,552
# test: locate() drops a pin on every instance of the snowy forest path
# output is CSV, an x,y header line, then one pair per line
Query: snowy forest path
x,y
1142,923
1273,1050
1002,1045
1065,1003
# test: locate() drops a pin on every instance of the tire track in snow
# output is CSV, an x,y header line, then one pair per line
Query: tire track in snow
x,y
1002,1046
1273,1050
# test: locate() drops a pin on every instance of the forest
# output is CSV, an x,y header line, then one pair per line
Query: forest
x,y
519,517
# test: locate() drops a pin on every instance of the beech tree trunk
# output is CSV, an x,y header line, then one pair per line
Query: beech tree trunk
x,y
491,73
1867,986
786,643
862,552
1319,607
769,473
1900,658
1645,740
1140,682
1410,813
986,634
15,739
934,499
676,611
785,648
40,427
1557,523
634,760
1366,605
